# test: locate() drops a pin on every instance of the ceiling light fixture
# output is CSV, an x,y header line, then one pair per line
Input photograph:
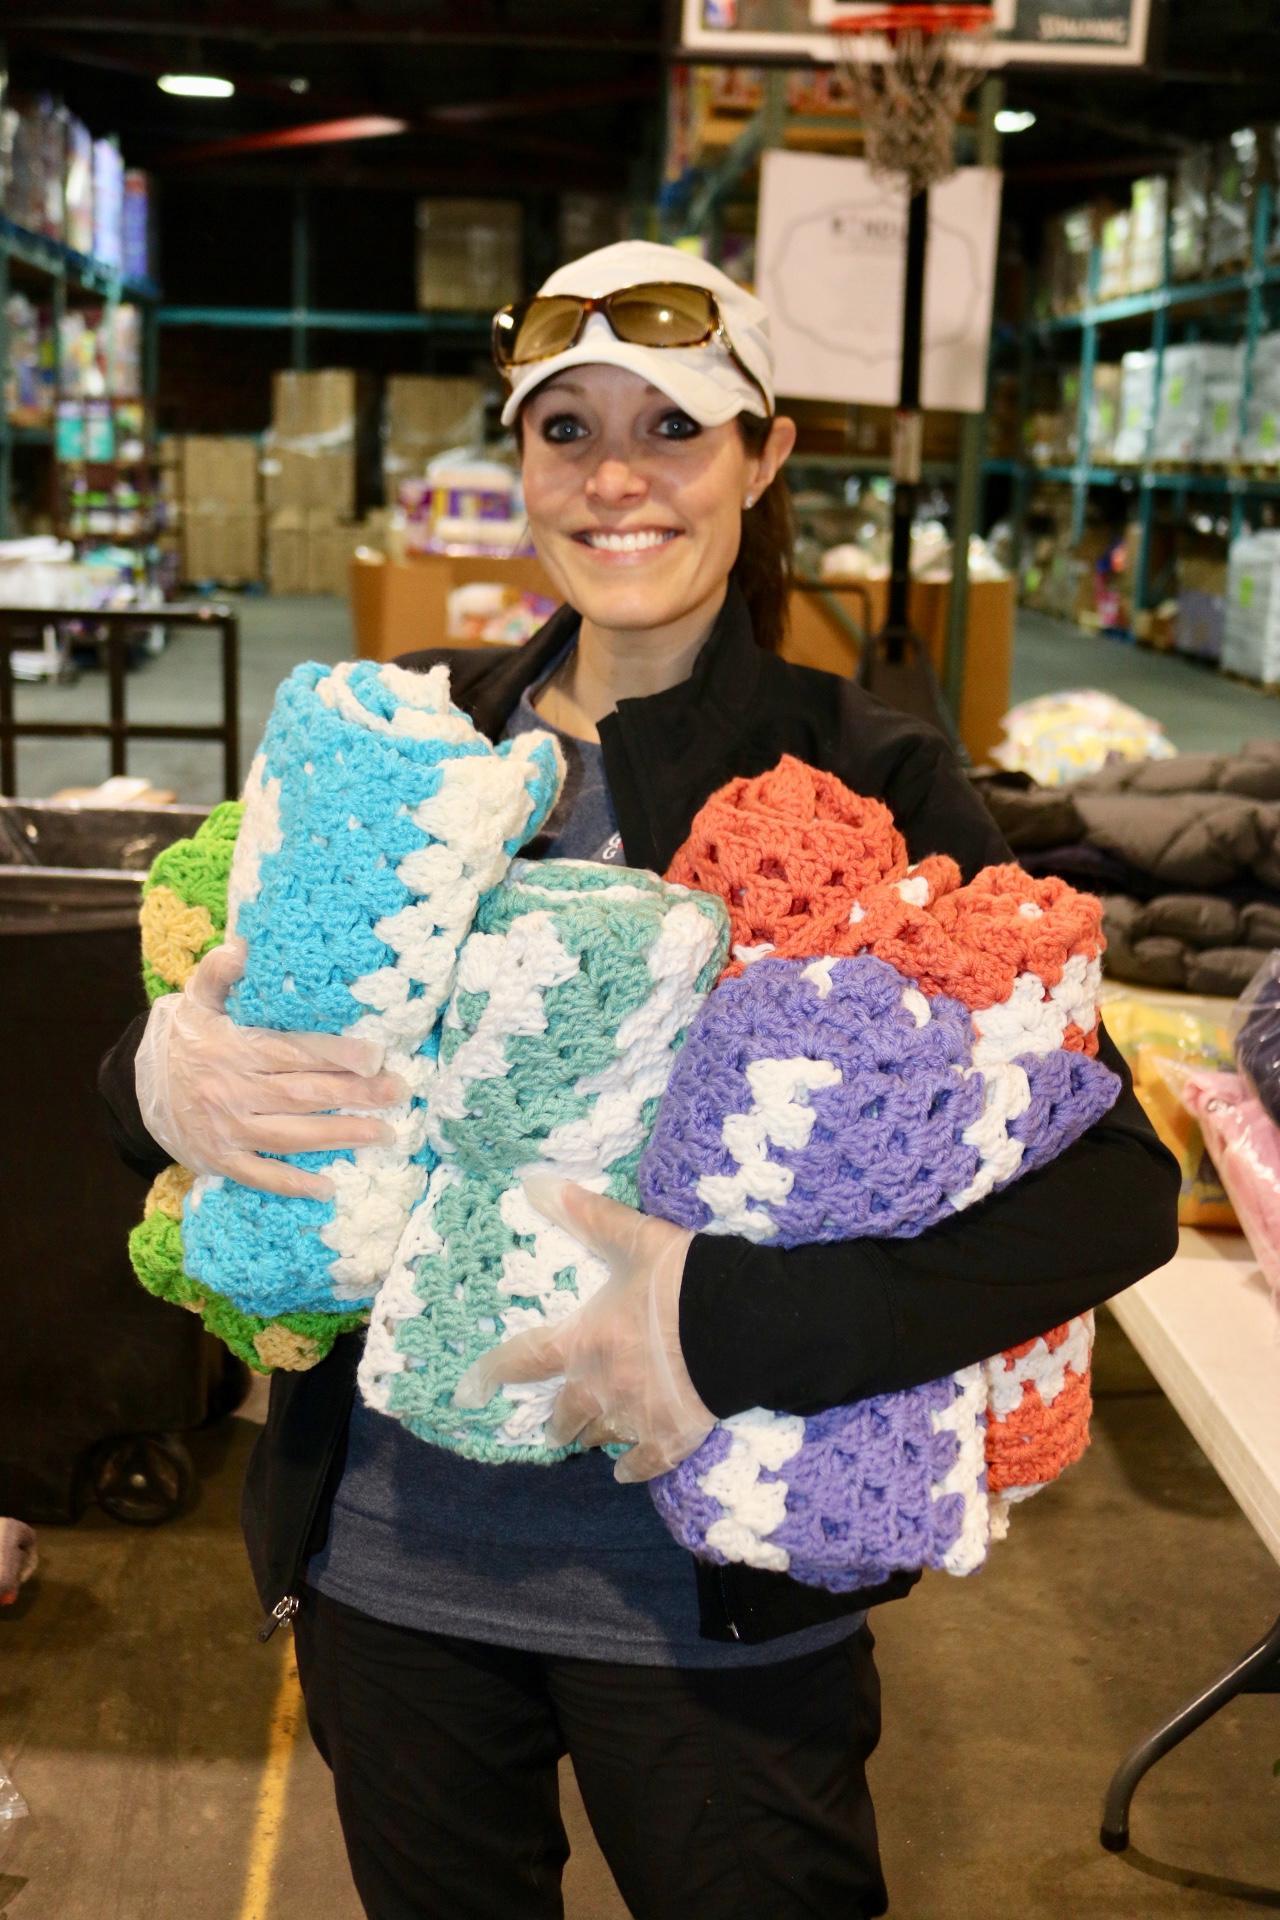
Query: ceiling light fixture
x,y
196,86
1012,120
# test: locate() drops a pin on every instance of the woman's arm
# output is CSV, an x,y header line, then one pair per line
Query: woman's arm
x,y
119,1093
808,1327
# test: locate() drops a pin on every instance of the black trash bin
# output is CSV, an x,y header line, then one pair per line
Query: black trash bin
x,y
97,1379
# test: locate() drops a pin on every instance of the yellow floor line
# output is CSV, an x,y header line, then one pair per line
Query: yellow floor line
x,y
268,1817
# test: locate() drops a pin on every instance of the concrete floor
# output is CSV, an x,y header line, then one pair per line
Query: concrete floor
x,y
159,1745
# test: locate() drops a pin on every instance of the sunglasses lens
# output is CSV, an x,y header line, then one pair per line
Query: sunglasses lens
x,y
663,316
543,327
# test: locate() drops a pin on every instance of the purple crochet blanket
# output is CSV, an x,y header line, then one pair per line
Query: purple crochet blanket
x,y
828,1100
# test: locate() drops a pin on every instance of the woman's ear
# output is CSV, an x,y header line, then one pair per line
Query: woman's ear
x,y
776,449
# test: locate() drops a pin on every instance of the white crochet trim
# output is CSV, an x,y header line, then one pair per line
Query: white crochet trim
x,y
1006,1093
753,1508
615,1124
966,1417
1033,1019
1045,1367
260,834
396,1300
531,1272
780,1116
471,815
513,969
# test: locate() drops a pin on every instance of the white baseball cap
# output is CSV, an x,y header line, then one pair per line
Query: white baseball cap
x,y
704,381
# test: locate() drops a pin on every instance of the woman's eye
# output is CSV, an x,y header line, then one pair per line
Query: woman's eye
x,y
678,426
561,428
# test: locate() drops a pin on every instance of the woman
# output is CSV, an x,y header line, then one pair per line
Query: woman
x,y
460,1627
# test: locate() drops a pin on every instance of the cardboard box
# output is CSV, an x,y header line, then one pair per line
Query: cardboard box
x,y
216,472
470,254
397,606
423,416
287,551
815,639
221,545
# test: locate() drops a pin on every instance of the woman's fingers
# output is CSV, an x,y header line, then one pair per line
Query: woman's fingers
x,y
276,1176
216,974
325,1092
576,1408
311,1133
536,1355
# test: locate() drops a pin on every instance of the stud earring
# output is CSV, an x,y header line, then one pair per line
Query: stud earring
x,y
750,500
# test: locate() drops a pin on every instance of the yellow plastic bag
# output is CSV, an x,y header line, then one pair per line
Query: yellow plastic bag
x,y
1156,1039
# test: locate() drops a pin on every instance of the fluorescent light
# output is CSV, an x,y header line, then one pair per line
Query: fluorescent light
x,y
196,86
1010,120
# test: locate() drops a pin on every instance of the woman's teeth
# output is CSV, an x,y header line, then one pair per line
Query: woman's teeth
x,y
626,542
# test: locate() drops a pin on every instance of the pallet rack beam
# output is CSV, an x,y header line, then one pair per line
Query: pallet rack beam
x,y
340,320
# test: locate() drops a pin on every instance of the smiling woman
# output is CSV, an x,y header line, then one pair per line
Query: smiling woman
x,y
460,1626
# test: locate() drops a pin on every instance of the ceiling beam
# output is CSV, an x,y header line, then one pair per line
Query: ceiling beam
x,y
269,29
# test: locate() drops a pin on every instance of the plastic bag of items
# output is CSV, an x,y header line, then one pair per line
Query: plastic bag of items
x,y
1162,1044
1245,1143
1060,737
1256,1026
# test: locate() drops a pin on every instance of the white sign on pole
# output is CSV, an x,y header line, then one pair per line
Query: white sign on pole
x,y
830,263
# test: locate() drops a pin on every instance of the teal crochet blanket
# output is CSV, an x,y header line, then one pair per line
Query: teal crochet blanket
x,y
574,993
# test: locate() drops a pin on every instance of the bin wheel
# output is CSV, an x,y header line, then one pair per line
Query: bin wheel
x,y
143,1479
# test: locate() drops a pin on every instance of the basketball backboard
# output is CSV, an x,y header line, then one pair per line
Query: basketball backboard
x,y
1042,33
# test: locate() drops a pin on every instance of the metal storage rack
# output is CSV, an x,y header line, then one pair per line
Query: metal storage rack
x,y
1162,305
54,270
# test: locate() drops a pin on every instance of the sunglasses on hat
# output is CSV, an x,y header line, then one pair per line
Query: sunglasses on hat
x,y
659,314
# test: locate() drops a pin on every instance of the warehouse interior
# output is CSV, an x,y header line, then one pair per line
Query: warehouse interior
x,y
251,420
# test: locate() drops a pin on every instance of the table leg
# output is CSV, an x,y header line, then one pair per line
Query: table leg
x,y
1257,1672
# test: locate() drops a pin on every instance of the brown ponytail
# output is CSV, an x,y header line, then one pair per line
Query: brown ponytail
x,y
763,569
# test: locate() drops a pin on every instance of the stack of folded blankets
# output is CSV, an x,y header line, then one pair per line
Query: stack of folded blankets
x,y
375,817
1185,852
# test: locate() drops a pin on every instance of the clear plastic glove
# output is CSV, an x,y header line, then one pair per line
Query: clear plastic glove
x,y
219,1097
625,1377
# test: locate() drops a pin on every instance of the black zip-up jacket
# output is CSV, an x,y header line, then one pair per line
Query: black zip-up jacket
x,y
807,1327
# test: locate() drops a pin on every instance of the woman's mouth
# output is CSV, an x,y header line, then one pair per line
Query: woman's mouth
x,y
641,540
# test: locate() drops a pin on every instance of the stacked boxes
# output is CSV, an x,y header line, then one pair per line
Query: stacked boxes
x,y
1198,411
1189,215
1251,641
1136,408
211,486
470,254
1104,414
1148,214
424,416
1261,440
1064,268
108,203
313,468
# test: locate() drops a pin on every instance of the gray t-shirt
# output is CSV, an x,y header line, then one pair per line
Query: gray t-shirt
x,y
557,1559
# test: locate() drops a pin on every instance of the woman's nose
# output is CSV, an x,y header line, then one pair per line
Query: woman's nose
x,y
615,480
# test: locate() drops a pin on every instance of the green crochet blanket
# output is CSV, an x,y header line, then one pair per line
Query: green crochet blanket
x,y
184,915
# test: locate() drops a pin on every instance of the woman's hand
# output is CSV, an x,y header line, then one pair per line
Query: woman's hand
x,y
218,1097
625,1377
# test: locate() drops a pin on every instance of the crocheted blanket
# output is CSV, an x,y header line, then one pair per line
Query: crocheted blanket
x,y
938,1048
375,817
573,995
184,914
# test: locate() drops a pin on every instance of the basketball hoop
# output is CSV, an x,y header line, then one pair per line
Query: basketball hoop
x,y
909,96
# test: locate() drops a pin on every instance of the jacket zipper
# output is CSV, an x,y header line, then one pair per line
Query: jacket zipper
x,y
284,1609
729,1620
288,1605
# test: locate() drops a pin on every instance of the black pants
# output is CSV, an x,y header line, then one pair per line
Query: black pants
x,y
722,1794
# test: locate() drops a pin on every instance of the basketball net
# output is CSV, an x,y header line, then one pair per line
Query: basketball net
x,y
909,102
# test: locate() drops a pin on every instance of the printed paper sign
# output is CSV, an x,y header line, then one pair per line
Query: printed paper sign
x,y
830,263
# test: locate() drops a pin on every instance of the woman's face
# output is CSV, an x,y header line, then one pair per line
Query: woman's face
x,y
635,510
